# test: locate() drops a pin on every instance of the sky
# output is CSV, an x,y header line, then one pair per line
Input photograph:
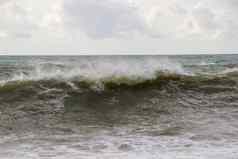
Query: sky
x,y
118,26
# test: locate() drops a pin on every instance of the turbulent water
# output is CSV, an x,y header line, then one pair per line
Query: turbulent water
x,y
119,107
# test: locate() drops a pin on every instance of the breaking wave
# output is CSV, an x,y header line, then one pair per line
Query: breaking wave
x,y
118,105
39,77
100,73
94,70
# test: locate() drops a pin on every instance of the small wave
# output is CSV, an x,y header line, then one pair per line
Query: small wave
x,y
230,71
203,63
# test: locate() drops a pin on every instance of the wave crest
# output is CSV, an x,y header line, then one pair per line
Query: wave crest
x,y
95,69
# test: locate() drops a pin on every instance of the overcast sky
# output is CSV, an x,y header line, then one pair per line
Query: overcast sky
x,y
118,26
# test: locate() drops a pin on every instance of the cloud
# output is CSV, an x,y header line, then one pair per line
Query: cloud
x,y
15,20
2,2
206,19
117,25
171,19
102,19
25,19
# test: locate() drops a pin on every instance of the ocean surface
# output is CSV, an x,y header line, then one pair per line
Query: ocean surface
x,y
119,107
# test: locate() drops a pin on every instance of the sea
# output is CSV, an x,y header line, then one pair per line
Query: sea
x,y
119,107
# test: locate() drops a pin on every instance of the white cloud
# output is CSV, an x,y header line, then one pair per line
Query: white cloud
x,y
117,25
15,20
25,18
102,19
204,19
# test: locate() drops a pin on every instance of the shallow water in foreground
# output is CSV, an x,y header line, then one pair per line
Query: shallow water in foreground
x,y
183,107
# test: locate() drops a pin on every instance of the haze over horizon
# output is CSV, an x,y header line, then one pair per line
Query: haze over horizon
x,y
118,27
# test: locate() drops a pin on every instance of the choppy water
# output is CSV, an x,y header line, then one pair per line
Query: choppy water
x,y
111,107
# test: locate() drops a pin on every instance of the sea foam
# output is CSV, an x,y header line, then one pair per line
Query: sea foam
x,y
95,69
